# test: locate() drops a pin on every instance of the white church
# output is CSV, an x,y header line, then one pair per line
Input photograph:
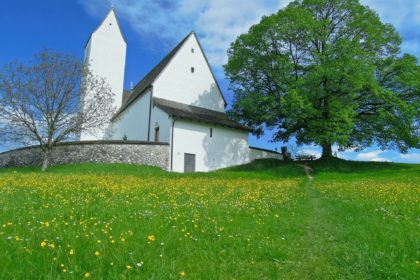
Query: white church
x,y
178,102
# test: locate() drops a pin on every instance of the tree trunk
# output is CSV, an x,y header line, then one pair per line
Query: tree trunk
x,y
45,160
326,151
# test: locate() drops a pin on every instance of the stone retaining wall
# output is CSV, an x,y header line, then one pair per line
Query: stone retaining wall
x,y
135,152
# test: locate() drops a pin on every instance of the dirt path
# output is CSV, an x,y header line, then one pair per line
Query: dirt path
x,y
317,264
308,171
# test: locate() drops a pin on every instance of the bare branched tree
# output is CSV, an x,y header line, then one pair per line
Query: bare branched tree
x,y
40,101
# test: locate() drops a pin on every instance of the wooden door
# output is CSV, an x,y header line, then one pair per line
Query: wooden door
x,y
189,162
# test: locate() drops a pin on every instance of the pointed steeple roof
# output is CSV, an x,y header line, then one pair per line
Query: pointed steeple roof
x,y
111,13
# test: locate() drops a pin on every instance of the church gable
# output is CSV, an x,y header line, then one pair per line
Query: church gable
x,y
187,78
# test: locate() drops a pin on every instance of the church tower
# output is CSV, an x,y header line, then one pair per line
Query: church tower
x,y
105,53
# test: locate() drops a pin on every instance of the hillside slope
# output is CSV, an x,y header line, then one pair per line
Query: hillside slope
x,y
263,220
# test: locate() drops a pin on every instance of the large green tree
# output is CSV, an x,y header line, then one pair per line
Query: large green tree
x,y
326,72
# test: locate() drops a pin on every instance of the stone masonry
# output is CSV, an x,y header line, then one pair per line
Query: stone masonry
x,y
134,152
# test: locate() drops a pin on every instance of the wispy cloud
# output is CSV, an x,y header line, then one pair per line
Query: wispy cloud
x,y
372,156
405,16
219,22
164,22
411,157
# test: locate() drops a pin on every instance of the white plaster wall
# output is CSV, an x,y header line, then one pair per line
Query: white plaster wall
x,y
105,53
134,121
177,83
160,119
258,154
227,147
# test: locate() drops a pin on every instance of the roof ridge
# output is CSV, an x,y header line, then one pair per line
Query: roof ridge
x,y
188,105
195,113
151,76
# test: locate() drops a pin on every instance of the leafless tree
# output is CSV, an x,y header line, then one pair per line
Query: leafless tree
x,y
39,102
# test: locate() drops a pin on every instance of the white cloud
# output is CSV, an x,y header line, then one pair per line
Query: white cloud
x,y
372,156
411,157
312,152
217,22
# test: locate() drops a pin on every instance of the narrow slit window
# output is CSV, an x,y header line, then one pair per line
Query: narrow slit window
x,y
157,134
192,69
211,132
192,50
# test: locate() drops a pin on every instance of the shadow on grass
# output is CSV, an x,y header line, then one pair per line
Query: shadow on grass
x,y
262,168
337,165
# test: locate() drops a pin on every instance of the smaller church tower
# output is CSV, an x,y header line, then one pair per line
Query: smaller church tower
x,y
105,53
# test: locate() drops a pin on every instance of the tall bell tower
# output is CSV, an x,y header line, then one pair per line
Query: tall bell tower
x,y
105,54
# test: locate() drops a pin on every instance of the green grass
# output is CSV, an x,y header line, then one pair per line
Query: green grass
x,y
263,220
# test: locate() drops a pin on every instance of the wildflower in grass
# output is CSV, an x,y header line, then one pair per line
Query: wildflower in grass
x,y
140,264
52,246
129,267
97,253
98,241
123,240
87,274
182,273
151,238
43,244
71,252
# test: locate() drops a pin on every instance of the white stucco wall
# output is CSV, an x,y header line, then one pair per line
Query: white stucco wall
x,y
134,121
227,147
177,83
258,154
105,53
164,122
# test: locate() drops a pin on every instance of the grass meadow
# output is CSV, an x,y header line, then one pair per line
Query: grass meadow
x,y
264,220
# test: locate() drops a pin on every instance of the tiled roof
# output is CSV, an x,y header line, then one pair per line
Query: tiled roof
x,y
194,113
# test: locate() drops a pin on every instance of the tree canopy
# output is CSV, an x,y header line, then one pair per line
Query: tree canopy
x,y
326,72
39,101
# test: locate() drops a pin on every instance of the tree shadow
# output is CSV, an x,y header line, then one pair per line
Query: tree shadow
x,y
223,151
210,99
356,167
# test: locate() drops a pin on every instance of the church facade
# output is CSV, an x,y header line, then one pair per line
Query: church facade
x,y
178,102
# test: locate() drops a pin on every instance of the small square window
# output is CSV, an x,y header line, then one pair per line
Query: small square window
x,y
192,50
192,69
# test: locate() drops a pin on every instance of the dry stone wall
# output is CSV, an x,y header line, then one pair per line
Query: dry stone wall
x,y
134,152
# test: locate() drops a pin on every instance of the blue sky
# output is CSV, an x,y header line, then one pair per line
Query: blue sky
x,y
153,27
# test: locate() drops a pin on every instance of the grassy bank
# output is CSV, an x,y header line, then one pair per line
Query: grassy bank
x,y
263,220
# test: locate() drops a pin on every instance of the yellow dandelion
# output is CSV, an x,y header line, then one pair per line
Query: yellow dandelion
x,y
122,239
182,273
151,238
97,253
71,252
87,275
129,267
43,244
